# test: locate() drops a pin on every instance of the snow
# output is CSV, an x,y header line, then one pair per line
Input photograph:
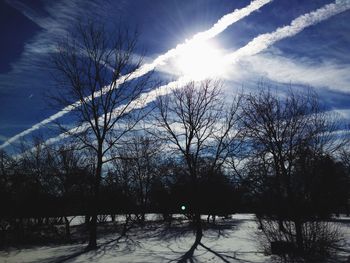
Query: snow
x,y
237,238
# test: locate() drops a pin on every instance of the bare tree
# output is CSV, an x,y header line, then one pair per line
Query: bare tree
x,y
283,133
197,122
140,157
71,172
345,158
7,166
94,68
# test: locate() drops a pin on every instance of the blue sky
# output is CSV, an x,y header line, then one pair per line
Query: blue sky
x,y
318,57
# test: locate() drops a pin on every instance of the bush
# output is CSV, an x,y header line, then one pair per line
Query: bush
x,y
320,240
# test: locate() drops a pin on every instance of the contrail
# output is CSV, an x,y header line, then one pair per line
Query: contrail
x,y
216,29
264,41
255,46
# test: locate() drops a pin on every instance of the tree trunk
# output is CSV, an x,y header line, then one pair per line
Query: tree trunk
x,y
66,223
299,235
280,225
87,220
113,217
199,234
92,232
143,218
199,231
39,221
197,219
93,222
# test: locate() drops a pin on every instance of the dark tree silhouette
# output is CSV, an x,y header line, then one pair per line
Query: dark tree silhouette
x,y
345,160
196,121
287,139
93,69
140,156
72,174
7,166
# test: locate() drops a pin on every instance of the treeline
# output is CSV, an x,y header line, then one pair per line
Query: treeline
x,y
54,181
57,181
277,156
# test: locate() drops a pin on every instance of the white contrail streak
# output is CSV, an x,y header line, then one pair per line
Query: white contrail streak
x,y
216,29
263,41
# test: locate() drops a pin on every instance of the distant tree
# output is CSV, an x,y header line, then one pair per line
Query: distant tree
x,y
321,185
119,182
215,190
345,159
7,166
170,174
141,156
288,139
195,121
33,183
93,67
73,181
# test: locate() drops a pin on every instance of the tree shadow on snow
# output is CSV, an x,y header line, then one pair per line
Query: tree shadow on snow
x,y
178,230
171,238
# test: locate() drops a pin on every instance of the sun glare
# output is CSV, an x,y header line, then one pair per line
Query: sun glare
x,y
201,60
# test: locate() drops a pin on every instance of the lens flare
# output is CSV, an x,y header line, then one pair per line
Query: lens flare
x,y
201,60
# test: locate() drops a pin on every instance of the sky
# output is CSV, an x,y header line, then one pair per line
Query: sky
x,y
316,56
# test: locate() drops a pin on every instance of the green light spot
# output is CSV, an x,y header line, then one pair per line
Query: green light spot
x,y
183,208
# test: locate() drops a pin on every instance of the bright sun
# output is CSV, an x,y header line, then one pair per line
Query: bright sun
x,y
201,60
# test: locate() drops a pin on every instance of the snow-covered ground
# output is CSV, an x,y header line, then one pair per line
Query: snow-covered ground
x,y
237,238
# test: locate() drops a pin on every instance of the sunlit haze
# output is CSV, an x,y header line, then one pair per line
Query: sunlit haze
x,y
201,60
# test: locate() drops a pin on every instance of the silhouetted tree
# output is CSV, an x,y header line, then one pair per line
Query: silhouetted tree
x,y
93,69
345,159
196,121
218,194
73,178
140,156
33,181
7,166
287,138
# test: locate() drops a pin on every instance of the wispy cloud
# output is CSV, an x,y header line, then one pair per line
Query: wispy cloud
x,y
217,28
30,73
298,70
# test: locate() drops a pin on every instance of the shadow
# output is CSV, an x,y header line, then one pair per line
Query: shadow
x,y
182,228
125,244
102,249
65,258
157,241
223,255
68,253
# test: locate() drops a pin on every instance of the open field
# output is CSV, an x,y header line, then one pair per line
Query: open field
x,y
236,239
